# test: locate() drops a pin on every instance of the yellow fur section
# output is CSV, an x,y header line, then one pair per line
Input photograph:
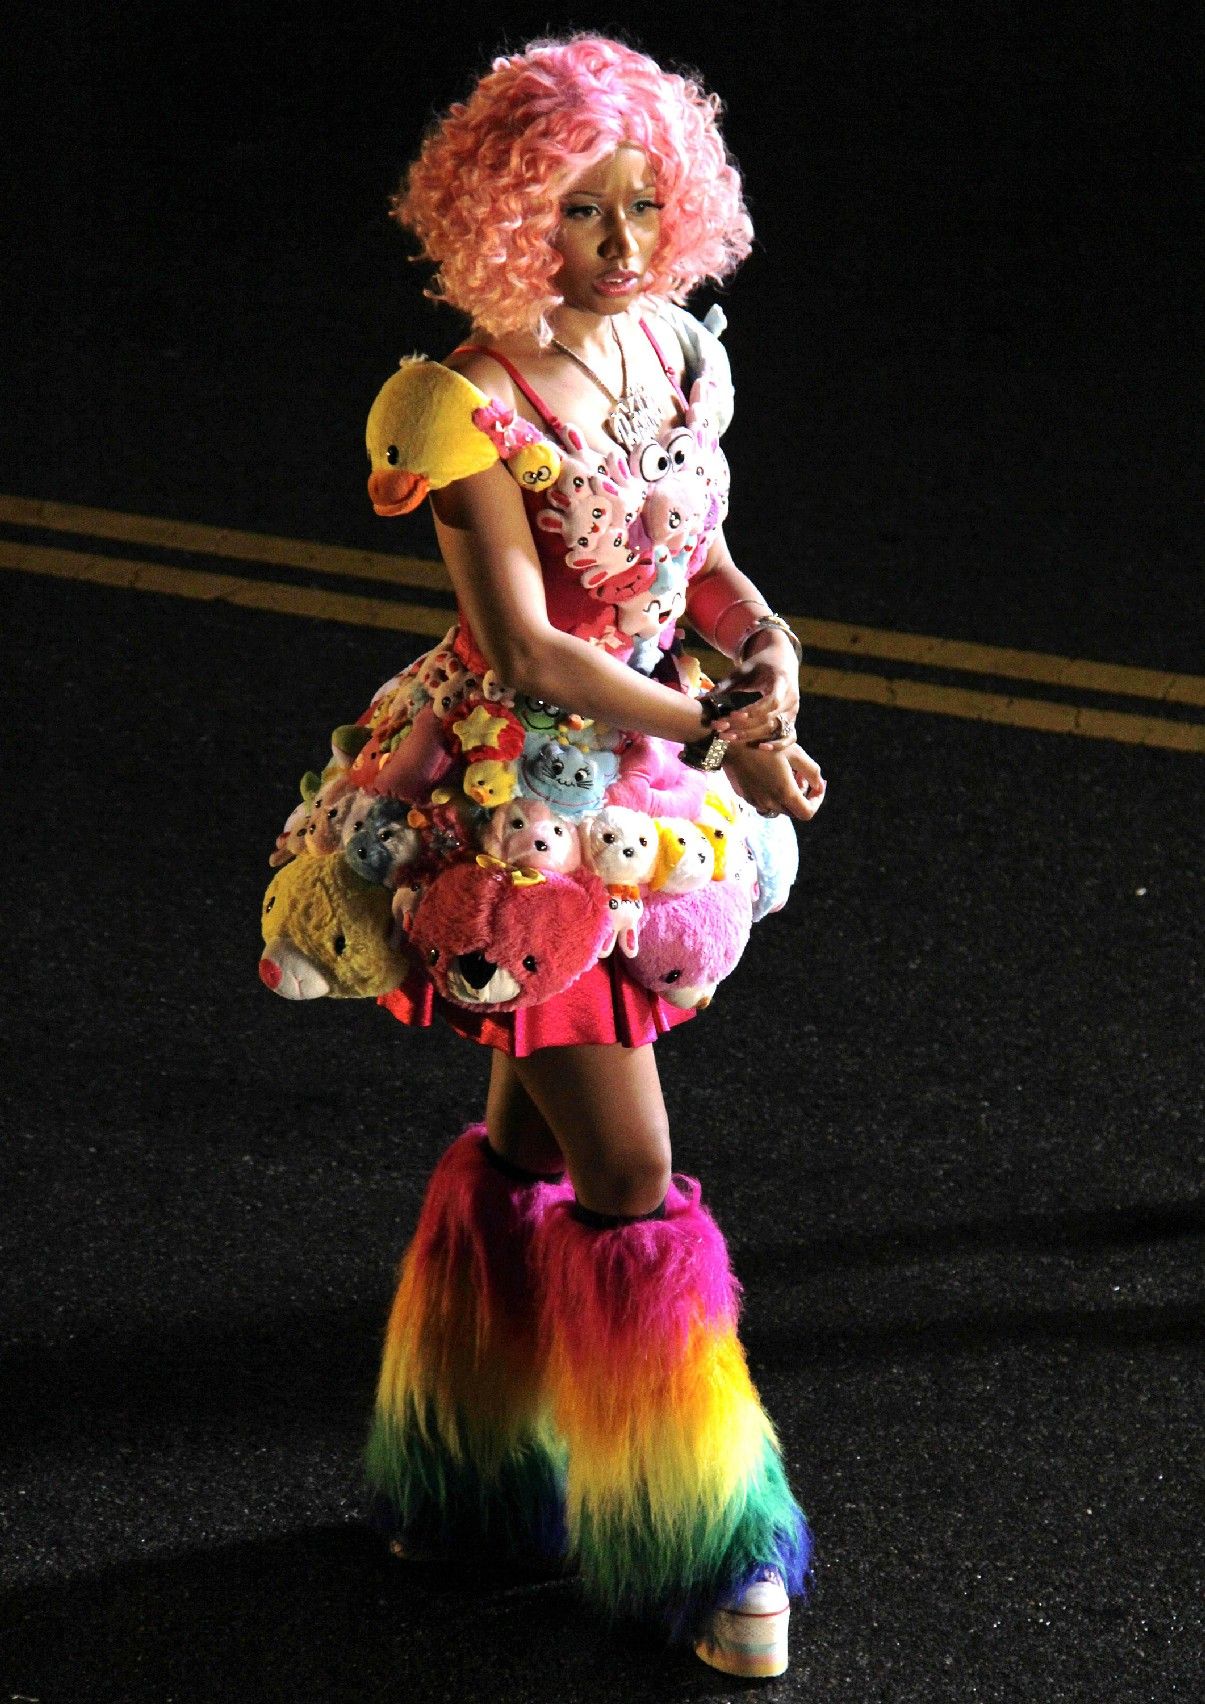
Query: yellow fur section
x,y
679,1442
443,1364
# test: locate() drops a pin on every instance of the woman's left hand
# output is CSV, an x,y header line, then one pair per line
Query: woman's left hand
x,y
777,782
773,673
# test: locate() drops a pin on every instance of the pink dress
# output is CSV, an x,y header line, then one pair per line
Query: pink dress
x,y
471,801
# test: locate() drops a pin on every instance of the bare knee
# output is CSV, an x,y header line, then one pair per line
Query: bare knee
x,y
627,1175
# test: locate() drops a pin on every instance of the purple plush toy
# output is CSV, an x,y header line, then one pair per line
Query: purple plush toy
x,y
689,942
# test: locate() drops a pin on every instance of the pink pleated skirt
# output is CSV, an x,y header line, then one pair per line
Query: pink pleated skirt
x,y
602,1007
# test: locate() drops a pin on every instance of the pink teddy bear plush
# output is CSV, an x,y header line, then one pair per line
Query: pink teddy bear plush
x,y
689,942
528,832
493,939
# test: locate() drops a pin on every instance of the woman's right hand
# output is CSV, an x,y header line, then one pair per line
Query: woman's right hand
x,y
777,782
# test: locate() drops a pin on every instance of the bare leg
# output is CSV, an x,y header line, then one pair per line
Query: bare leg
x,y
517,1128
603,1106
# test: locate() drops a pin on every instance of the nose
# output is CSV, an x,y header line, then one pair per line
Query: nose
x,y
269,973
619,243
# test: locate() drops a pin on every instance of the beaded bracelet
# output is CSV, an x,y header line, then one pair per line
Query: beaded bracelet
x,y
763,624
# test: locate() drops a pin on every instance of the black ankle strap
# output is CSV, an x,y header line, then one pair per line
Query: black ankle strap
x,y
519,1174
609,1221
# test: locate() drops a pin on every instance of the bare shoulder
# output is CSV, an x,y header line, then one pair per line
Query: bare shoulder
x,y
485,372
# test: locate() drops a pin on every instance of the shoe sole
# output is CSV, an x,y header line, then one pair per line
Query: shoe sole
x,y
751,1645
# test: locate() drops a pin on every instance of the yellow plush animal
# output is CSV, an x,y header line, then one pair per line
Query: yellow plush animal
x,y
421,435
429,426
326,931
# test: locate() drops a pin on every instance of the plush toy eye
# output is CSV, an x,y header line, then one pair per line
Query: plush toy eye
x,y
269,905
610,837
558,829
679,447
654,463
516,822
597,514
672,976
675,519
432,955
583,541
581,777
529,963
391,455
340,945
557,766
644,840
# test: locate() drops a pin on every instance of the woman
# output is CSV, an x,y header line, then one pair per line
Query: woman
x,y
562,1375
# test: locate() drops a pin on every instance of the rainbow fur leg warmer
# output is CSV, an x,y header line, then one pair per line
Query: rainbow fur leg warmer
x,y
676,1491
460,1456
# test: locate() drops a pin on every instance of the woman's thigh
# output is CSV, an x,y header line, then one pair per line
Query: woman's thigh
x,y
603,1106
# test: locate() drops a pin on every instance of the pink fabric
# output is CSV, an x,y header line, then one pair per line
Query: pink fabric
x,y
603,1007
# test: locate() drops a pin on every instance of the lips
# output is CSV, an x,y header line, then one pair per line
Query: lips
x,y
617,283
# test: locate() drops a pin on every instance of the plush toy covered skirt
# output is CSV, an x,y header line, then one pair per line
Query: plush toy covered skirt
x,y
532,877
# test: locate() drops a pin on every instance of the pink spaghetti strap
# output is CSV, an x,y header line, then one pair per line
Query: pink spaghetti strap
x,y
533,396
665,366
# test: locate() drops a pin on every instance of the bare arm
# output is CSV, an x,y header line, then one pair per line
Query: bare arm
x,y
487,545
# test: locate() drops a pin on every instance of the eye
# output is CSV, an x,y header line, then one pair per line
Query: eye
x,y
269,905
672,976
679,448
340,944
675,518
542,475
644,840
529,963
597,514
432,955
581,777
654,463
610,837
557,767
558,829
391,455
516,822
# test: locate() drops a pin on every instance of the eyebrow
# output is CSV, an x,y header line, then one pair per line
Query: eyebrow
x,y
601,194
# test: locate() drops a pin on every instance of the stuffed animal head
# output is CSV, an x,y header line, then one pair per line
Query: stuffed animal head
x,y
690,941
776,855
493,938
572,781
490,783
622,846
686,859
326,931
337,808
528,832
385,845
421,435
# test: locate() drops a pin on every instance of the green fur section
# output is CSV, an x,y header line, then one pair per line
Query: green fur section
x,y
499,1502
675,1572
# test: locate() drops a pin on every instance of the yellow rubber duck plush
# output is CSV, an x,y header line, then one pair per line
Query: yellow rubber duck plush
x,y
429,426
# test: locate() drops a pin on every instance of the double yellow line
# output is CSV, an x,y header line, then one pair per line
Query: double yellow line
x,y
897,691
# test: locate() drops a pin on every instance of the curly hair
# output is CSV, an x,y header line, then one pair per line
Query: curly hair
x,y
483,195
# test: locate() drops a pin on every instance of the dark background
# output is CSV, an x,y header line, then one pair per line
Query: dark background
x,y
948,1110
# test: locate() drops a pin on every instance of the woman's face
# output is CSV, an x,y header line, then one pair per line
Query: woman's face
x,y
609,230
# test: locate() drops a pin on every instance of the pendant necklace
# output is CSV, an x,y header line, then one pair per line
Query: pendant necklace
x,y
634,418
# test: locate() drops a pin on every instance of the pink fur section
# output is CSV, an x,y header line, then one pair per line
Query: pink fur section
x,y
653,779
477,1216
634,1292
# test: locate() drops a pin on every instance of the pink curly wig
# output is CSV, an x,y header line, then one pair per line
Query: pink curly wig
x,y
484,195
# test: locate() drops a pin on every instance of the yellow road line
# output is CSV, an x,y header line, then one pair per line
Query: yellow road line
x,y
420,619
225,542
227,588
1038,666
1040,713
415,572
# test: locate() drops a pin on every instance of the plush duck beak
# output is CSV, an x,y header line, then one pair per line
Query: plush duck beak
x,y
396,491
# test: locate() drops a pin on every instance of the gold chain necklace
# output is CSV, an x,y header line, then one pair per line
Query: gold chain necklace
x,y
634,418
